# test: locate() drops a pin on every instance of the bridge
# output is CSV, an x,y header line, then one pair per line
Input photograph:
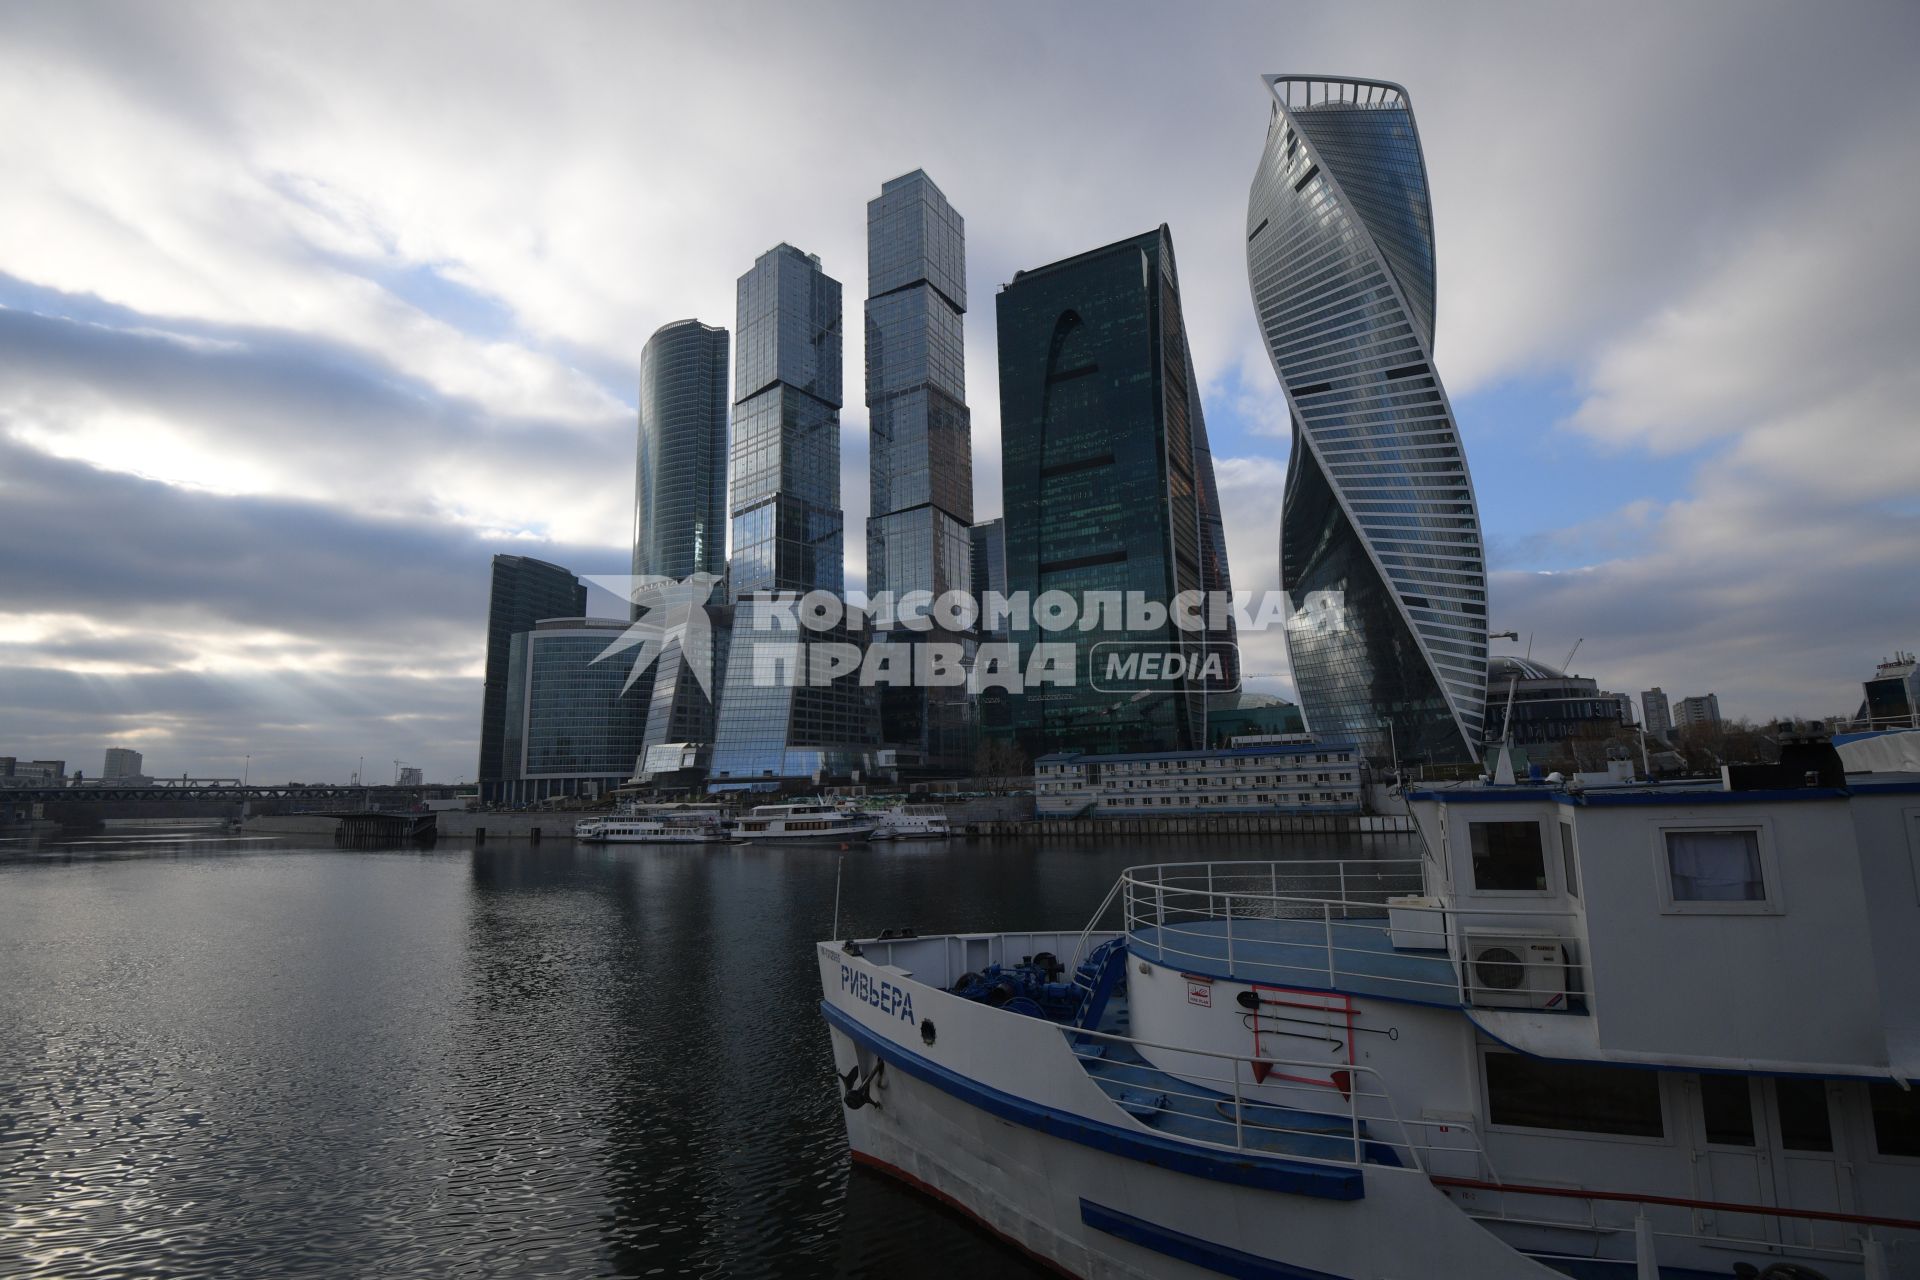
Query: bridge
x,y
90,804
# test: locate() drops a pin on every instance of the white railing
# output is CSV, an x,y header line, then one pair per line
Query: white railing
x,y
1204,915
1238,1112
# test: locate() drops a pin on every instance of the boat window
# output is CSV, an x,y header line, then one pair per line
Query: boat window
x,y
1804,1122
1727,1106
1896,1119
1507,856
1715,866
1535,1093
1566,860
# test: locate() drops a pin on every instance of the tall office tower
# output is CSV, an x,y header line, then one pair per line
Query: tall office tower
x,y
922,444
524,591
989,539
786,427
122,763
1107,474
680,480
1380,551
680,504
786,530
1655,711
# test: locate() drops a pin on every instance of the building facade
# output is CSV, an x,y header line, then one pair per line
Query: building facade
x,y
122,762
785,460
771,724
1299,777
1698,712
569,728
921,447
989,564
1655,713
1380,545
524,591
680,469
1104,450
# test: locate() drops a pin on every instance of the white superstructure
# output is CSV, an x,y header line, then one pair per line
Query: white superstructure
x,y
689,825
912,822
808,821
1637,1032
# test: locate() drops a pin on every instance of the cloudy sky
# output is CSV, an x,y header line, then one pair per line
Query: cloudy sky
x,y
308,309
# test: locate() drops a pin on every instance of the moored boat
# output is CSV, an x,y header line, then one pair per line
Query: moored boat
x,y
674,826
805,821
912,822
1651,1031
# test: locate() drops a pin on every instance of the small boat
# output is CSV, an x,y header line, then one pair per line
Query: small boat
x,y
692,826
913,822
807,821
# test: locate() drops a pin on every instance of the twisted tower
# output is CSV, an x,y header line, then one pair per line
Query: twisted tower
x,y
1380,549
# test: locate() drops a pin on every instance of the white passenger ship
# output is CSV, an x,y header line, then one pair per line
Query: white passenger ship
x,y
809,821
1657,1031
912,822
677,826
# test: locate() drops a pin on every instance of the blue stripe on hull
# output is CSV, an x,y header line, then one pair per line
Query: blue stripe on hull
x,y
1178,1245
1239,1168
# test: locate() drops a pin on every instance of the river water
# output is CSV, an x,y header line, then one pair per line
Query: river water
x,y
262,1056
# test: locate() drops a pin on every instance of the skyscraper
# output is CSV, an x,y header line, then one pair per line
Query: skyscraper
x,y
1107,478
1701,712
989,559
785,499
921,451
680,473
524,591
787,528
1380,550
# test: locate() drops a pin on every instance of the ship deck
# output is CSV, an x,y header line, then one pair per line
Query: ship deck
x,y
1359,958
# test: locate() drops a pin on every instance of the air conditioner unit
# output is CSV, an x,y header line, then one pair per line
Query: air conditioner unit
x,y
1515,970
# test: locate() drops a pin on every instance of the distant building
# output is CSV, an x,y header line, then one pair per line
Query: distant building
x,y
1697,713
1103,447
1549,707
989,556
411,777
1892,697
680,466
524,591
122,762
15,772
569,730
920,448
1381,554
1269,778
1656,713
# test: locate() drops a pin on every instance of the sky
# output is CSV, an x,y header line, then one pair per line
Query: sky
x,y
307,310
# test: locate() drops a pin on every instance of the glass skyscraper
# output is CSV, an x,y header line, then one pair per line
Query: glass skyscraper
x,y
787,528
524,591
680,480
921,450
569,728
787,523
1108,483
1380,549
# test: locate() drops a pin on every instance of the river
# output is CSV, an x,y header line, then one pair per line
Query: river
x,y
264,1056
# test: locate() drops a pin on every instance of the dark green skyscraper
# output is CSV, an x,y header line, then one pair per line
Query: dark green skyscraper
x,y
524,591
1108,487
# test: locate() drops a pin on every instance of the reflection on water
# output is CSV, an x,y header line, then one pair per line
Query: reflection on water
x,y
222,1057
